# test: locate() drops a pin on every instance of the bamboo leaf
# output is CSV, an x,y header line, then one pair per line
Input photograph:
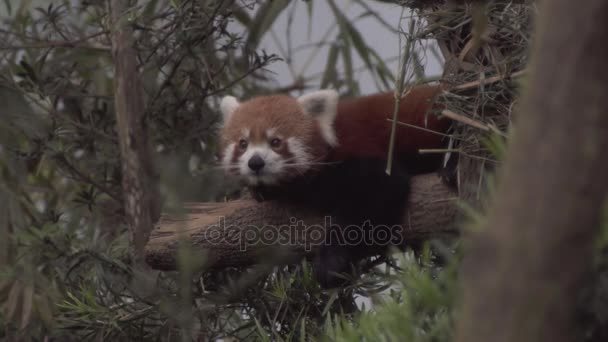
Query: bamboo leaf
x,y
330,302
434,48
261,332
351,85
418,67
263,21
480,25
329,75
354,37
241,15
4,286
149,9
26,311
28,71
24,7
370,12
43,308
383,71
352,33
9,8
303,331
309,10
13,298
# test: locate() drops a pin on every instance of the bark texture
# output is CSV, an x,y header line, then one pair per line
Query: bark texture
x,y
226,233
140,193
524,271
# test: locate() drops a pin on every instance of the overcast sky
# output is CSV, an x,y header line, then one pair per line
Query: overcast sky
x,y
376,35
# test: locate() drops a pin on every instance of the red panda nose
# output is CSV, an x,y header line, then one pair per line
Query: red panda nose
x,y
256,163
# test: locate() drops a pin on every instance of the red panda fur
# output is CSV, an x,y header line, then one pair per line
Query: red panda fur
x,y
363,128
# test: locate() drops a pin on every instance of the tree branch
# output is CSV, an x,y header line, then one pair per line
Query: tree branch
x,y
227,234
141,195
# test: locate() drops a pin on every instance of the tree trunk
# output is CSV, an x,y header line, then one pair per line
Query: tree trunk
x,y
523,272
141,197
226,234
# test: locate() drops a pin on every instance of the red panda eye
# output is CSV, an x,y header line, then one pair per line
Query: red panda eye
x,y
276,142
243,144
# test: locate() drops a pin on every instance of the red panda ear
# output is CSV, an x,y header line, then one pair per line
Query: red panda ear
x,y
322,105
228,106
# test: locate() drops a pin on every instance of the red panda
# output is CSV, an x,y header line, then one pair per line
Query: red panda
x,y
330,156
271,139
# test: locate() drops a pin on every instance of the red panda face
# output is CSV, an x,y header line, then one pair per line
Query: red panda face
x,y
272,139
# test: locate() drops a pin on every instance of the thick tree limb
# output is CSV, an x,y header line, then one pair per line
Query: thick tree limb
x,y
141,197
431,213
524,272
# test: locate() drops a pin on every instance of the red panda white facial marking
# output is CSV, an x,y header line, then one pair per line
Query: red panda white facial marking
x,y
270,139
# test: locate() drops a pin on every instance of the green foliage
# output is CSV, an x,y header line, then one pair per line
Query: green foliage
x,y
62,257
64,272
417,307
496,145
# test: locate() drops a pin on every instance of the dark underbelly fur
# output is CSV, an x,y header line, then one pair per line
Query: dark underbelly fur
x,y
356,193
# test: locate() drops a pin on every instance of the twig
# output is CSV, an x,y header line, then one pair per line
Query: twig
x,y
438,150
488,80
57,44
465,120
399,90
41,44
456,150
84,178
421,128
